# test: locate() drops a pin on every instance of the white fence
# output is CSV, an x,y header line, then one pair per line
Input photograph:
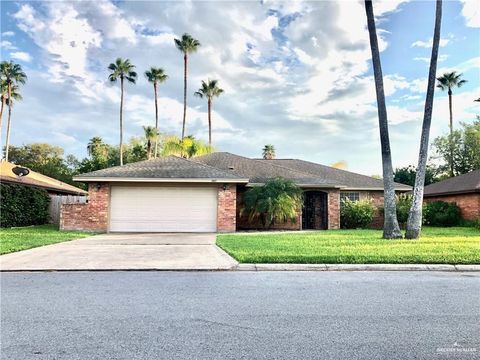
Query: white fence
x,y
56,202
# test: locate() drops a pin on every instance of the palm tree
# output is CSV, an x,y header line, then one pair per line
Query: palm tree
x,y
123,70
446,82
209,90
96,148
151,135
186,45
187,147
156,76
15,94
414,222
391,229
12,75
268,152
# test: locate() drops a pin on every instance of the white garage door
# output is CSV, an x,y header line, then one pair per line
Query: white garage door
x,y
163,209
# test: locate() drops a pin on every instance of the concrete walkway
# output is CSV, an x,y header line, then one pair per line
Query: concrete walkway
x,y
124,252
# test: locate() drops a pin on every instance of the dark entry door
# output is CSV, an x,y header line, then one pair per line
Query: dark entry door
x,y
314,215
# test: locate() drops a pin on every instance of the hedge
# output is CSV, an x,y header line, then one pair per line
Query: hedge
x,y
22,205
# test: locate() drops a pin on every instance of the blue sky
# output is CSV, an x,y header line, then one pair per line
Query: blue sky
x,y
295,74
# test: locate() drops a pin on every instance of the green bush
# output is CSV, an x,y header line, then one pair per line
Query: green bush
x,y
356,214
404,202
440,213
22,205
476,223
279,200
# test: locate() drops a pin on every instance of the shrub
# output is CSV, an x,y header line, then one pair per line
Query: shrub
x,y
404,202
476,223
22,205
440,213
278,200
356,214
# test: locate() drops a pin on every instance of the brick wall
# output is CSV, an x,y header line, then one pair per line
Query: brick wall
x,y
226,208
92,216
469,204
334,209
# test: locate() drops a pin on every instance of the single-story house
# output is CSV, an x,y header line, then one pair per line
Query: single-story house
x,y
35,179
204,194
463,190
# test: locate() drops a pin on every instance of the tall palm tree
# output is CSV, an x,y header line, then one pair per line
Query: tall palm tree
x,y
123,70
447,82
187,45
156,76
12,75
268,152
15,94
151,135
209,90
414,222
391,229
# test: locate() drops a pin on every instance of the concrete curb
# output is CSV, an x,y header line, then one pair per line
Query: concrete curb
x,y
357,267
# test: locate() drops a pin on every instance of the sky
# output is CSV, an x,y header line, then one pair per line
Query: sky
x,y
296,74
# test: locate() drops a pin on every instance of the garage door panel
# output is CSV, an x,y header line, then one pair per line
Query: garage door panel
x,y
163,209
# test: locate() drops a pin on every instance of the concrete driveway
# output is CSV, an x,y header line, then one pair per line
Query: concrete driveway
x,y
124,252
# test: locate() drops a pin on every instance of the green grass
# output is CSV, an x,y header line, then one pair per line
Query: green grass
x,y
17,239
459,245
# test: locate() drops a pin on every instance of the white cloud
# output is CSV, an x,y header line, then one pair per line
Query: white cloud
x,y
428,43
8,33
471,12
21,55
7,45
441,58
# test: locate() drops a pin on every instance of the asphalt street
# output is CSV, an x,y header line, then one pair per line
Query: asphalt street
x,y
240,315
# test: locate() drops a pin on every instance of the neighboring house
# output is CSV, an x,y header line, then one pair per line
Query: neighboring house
x,y
59,191
35,179
463,190
204,194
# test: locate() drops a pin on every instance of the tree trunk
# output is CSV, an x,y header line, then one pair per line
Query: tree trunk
x,y
452,173
414,222
210,122
121,121
391,229
1,114
7,141
156,116
185,60
149,149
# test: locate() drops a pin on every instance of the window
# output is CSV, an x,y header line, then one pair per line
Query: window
x,y
353,196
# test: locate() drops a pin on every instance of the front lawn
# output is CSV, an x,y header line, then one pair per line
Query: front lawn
x,y
459,245
17,239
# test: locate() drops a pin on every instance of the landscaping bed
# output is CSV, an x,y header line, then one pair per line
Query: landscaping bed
x,y
459,245
16,239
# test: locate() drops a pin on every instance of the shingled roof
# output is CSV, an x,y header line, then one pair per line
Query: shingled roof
x,y
350,180
170,168
462,184
258,172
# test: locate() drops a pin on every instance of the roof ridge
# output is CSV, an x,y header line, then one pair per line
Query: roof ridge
x,y
212,167
297,171
339,170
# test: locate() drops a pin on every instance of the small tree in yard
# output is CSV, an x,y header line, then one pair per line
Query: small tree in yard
x,y
278,201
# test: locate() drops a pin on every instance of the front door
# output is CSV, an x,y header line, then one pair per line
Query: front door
x,y
314,215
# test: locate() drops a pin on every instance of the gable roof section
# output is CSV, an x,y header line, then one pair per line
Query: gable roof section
x,y
258,172
164,169
351,181
36,179
466,183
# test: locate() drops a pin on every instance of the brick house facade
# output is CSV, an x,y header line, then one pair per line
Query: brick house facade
x,y
173,194
469,204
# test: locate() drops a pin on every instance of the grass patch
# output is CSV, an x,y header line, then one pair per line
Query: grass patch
x,y
17,239
460,245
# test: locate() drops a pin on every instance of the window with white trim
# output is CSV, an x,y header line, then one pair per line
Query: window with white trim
x,y
353,196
